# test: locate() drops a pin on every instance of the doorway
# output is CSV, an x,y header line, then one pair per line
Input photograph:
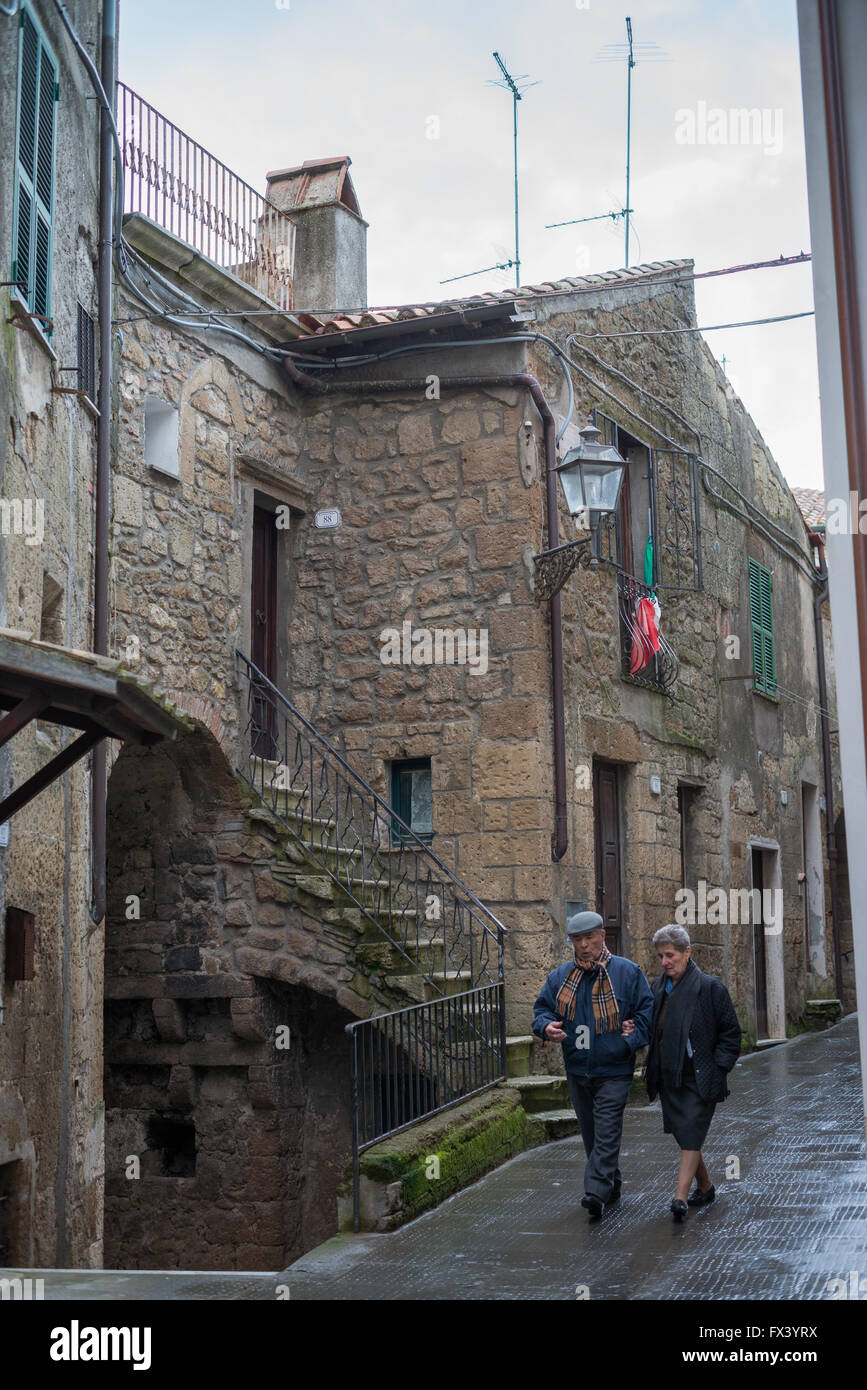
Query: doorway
x,y
263,630
768,945
759,953
608,851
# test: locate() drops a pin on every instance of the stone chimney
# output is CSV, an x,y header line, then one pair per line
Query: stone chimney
x,y
331,236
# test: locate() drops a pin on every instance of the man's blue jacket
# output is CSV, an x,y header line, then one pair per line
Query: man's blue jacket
x,y
606,1054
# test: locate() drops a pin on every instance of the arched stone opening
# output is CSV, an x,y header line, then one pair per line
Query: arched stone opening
x,y
227,1093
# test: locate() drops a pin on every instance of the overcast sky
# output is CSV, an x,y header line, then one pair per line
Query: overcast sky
x,y
265,85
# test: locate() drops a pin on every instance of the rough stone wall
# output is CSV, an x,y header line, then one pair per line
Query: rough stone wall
x,y
442,504
180,546
221,933
51,1121
746,748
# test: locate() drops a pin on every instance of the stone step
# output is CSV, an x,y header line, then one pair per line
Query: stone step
x,y
417,987
519,1051
547,1125
540,1092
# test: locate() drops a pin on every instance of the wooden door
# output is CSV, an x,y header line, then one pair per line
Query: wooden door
x,y
606,803
759,948
263,628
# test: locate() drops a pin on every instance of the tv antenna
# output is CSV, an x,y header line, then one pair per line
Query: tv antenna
x,y
649,52
501,265
600,217
512,85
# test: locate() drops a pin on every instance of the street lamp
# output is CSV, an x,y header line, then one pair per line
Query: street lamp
x,y
591,477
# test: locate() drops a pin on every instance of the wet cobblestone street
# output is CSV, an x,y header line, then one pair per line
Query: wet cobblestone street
x,y
795,1220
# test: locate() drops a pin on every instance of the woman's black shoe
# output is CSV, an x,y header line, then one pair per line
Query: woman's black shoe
x,y
678,1209
701,1199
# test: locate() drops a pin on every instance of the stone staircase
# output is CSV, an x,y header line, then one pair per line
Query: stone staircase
x,y
410,955
545,1098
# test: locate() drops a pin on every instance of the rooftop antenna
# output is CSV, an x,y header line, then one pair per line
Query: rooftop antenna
x,y
511,84
600,217
501,265
614,53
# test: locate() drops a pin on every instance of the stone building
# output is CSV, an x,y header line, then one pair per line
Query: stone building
x,y
324,531
50,1032
390,752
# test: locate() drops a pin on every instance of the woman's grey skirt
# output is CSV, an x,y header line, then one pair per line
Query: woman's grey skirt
x,y
685,1114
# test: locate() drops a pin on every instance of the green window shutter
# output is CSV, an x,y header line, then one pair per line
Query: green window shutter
x,y
34,168
762,627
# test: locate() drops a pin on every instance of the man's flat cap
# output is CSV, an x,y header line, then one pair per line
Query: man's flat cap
x,y
579,922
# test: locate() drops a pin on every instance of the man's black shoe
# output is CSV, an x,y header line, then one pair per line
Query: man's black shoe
x,y
593,1204
615,1195
701,1199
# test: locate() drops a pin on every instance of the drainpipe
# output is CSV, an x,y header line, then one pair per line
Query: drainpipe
x,y
817,541
523,381
103,446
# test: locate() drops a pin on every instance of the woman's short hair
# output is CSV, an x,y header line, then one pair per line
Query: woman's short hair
x,y
672,935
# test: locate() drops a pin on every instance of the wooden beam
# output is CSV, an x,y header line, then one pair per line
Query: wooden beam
x,y
21,714
48,774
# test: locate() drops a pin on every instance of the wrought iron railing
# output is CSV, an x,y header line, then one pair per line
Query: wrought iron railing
x,y
431,919
414,1062
175,181
646,656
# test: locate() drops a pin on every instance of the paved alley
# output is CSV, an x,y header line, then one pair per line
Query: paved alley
x,y
795,1220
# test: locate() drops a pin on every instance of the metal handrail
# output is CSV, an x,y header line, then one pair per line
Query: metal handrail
x,y
370,828
176,182
412,1063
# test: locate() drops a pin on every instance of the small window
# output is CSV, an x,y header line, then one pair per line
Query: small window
x,y
172,1143
86,355
33,225
161,436
411,796
20,934
762,628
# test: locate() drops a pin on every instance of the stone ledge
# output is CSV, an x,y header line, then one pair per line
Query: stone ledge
x,y
467,1140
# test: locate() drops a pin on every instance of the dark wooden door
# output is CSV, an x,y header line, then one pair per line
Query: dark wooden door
x,y
759,948
263,628
606,804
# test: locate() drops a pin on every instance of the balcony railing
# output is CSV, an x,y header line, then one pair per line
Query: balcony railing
x,y
643,661
174,181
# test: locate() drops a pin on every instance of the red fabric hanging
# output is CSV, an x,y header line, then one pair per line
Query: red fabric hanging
x,y
646,639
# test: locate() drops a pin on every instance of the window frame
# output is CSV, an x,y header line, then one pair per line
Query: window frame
x,y
37,207
399,765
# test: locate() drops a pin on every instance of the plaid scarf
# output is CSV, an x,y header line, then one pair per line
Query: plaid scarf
x,y
605,1010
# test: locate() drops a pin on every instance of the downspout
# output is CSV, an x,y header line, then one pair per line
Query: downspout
x,y
523,381
103,445
830,832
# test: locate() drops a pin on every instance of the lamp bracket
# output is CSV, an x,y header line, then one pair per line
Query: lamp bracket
x,y
553,567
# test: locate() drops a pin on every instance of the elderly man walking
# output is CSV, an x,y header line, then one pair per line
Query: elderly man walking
x,y
599,1007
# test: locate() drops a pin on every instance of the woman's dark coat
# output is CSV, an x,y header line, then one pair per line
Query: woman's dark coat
x,y
713,1031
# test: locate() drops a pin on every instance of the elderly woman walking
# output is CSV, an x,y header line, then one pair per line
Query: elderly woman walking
x,y
695,1040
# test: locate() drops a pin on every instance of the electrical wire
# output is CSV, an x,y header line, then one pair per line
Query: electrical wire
x,y
705,328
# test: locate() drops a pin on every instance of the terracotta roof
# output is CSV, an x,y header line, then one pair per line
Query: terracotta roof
x,y
371,318
811,502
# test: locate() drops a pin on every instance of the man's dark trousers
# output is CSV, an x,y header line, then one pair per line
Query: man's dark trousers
x,y
599,1105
